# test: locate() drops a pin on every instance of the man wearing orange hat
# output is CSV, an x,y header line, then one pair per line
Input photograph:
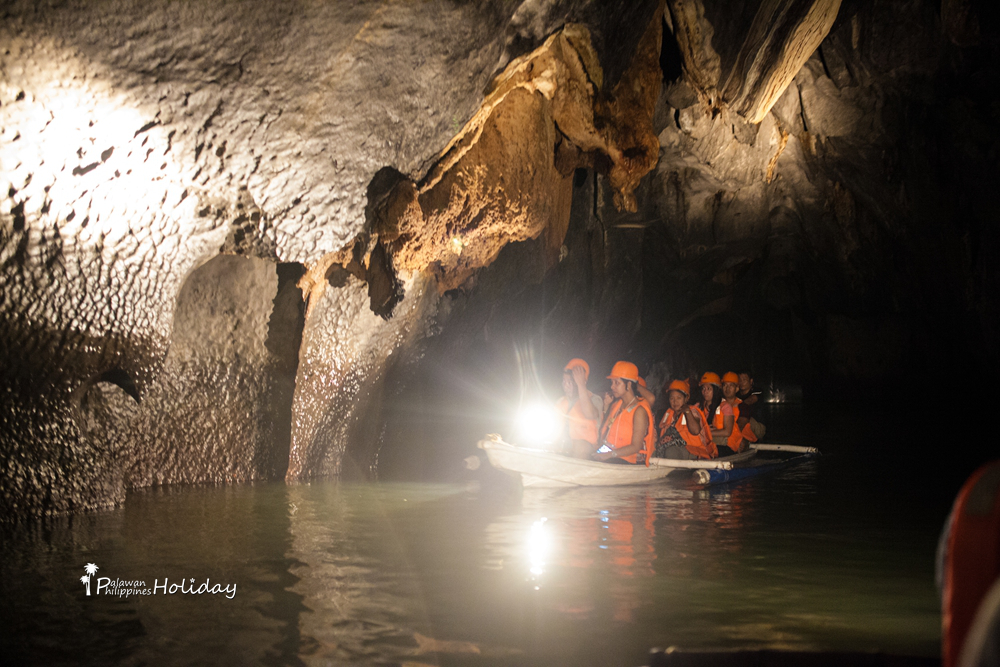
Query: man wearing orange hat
x,y
684,432
628,427
581,410
752,429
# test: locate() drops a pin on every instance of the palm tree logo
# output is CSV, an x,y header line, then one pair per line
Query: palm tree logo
x,y
91,570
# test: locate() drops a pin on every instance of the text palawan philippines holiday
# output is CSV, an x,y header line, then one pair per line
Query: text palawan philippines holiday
x,y
126,588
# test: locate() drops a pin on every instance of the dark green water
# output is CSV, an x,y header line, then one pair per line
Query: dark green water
x,y
830,555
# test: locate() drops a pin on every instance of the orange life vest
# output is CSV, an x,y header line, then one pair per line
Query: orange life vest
x,y
735,438
617,430
700,445
580,427
973,557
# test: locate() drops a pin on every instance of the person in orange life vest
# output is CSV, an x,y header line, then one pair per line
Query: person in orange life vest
x,y
711,397
580,409
752,429
628,427
726,435
684,431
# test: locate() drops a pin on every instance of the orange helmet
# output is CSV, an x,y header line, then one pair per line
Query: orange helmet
x,y
710,378
681,386
624,370
731,377
578,362
642,382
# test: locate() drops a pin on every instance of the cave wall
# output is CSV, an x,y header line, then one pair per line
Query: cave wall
x,y
228,373
138,141
838,237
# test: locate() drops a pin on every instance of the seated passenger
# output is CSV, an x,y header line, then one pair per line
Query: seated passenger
x,y
711,398
752,429
627,429
684,430
726,435
581,410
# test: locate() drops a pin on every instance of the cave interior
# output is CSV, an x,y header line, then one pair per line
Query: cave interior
x,y
264,241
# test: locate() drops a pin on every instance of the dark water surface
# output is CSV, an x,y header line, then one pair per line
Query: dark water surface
x,y
836,554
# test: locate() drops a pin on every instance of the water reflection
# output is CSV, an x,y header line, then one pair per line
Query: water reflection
x,y
165,534
539,544
387,574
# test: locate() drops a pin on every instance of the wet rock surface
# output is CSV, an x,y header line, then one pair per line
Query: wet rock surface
x,y
230,234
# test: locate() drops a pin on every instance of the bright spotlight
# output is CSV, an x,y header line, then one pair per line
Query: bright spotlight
x,y
538,424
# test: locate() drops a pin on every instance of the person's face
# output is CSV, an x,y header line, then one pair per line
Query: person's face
x,y
707,391
746,383
677,400
617,387
569,386
729,389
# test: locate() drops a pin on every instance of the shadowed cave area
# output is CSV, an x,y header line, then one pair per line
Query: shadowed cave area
x,y
266,241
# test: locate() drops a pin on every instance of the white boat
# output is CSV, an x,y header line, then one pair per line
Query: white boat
x,y
541,468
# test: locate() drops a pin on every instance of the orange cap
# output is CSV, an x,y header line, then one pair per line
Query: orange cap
x,y
625,371
731,377
578,362
642,382
710,378
681,386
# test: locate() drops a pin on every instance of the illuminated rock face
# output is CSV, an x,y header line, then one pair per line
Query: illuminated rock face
x,y
139,141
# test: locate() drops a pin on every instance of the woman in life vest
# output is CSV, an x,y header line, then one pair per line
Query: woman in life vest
x,y
725,433
711,398
628,426
684,432
580,409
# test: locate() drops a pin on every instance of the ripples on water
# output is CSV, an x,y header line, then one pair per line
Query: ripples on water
x,y
433,574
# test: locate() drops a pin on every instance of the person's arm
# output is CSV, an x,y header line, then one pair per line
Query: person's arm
x,y
727,425
693,423
646,394
598,404
586,406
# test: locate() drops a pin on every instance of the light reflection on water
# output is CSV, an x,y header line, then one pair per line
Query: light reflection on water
x,y
383,574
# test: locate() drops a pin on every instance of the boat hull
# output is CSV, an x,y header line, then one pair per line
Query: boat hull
x,y
539,468
758,466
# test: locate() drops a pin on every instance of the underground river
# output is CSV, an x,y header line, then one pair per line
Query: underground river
x,y
835,554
